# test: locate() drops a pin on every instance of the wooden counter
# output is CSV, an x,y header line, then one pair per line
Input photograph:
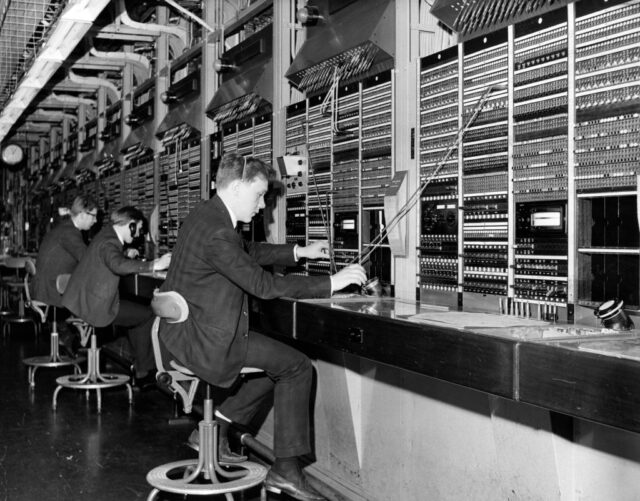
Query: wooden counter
x,y
565,375
557,374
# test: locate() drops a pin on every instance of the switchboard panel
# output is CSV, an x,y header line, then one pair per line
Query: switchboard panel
x,y
179,176
346,134
439,123
485,161
553,151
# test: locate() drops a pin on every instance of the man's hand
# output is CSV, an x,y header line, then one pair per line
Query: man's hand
x,y
315,250
162,263
352,274
131,253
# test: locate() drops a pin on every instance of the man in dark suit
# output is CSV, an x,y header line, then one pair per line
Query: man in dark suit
x,y
92,291
60,251
215,270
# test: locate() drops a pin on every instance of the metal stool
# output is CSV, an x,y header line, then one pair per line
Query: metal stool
x,y
18,287
5,287
183,385
180,476
93,379
53,359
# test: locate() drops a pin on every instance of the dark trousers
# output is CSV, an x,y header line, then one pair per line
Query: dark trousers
x,y
288,374
138,319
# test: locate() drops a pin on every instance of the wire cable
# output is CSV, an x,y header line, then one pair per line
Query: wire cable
x,y
364,256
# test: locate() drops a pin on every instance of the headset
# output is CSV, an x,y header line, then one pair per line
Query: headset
x,y
133,229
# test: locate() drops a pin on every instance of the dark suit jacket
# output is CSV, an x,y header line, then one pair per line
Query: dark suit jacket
x,y
214,269
92,292
60,251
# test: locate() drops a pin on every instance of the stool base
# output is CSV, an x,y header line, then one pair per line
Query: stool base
x,y
205,475
163,478
47,361
52,360
93,379
8,320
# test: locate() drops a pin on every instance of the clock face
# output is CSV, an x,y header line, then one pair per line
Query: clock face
x,y
12,154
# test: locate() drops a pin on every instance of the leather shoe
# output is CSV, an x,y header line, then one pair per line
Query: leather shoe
x,y
225,454
147,382
69,343
300,490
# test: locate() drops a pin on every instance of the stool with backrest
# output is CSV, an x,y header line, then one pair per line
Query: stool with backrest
x,y
7,276
93,379
181,383
17,287
204,476
53,359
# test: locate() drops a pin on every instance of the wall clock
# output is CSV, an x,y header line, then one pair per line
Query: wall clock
x,y
12,154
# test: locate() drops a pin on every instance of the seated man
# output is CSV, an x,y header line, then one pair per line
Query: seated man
x,y
216,271
92,292
59,253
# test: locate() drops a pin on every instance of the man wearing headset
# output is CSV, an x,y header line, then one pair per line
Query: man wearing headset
x,y
92,292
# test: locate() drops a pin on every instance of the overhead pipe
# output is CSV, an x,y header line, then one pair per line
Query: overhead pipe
x,y
66,99
152,28
122,57
96,82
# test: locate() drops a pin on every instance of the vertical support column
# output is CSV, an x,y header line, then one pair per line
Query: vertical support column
x,y
42,145
160,109
572,244
283,20
460,178
82,121
125,110
406,151
511,204
102,118
53,140
66,130
208,88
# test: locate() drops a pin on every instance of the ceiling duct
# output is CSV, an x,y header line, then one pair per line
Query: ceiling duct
x,y
472,18
85,167
352,41
140,135
140,120
183,96
64,101
246,87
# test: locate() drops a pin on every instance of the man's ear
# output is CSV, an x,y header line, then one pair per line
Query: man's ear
x,y
235,185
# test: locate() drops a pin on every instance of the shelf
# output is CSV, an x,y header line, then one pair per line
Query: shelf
x,y
609,250
604,194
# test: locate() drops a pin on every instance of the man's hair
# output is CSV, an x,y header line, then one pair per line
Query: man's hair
x,y
234,166
125,215
82,203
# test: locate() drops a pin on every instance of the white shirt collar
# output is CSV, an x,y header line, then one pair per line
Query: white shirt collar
x,y
119,237
234,219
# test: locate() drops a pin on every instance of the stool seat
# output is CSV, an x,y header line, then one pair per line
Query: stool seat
x,y
93,378
22,285
53,359
10,283
205,475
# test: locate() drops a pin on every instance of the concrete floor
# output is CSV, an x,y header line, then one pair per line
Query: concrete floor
x,y
74,453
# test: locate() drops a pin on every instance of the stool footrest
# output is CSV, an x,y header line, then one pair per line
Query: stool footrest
x,y
165,478
49,361
86,381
